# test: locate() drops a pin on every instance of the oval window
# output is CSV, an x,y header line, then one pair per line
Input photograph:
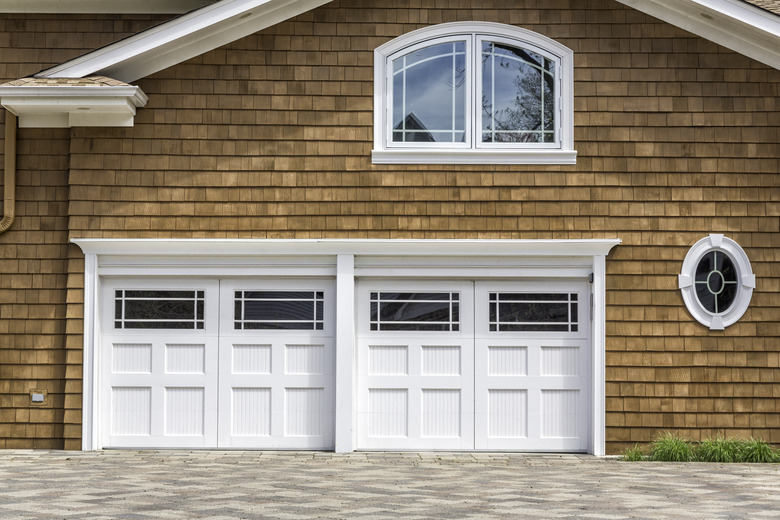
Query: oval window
x,y
716,281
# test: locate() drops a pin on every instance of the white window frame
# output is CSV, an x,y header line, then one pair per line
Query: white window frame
x,y
746,282
473,151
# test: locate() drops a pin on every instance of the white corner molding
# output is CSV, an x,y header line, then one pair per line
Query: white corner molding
x,y
716,319
180,39
735,24
60,106
101,6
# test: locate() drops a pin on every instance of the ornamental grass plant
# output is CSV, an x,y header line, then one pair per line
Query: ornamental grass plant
x,y
671,447
757,450
633,454
719,449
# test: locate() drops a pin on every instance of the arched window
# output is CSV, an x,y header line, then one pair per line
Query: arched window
x,y
473,93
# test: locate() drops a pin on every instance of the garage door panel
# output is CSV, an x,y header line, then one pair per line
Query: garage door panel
x,y
277,364
415,347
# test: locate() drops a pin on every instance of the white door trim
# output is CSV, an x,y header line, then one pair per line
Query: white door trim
x,y
237,257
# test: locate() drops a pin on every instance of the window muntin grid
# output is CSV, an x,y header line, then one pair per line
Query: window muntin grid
x,y
159,309
429,94
421,311
518,95
279,310
473,92
533,312
716,282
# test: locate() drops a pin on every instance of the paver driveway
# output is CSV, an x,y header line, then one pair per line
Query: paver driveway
x,y
291,485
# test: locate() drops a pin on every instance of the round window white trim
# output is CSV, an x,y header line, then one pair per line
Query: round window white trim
x,y
746,282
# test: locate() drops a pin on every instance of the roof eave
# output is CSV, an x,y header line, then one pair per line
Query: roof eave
x,y
736,25
182,38
101,6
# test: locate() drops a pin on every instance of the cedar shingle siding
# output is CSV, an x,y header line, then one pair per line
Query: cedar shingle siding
x,y
271,136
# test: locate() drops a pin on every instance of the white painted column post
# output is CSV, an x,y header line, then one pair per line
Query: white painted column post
x,y
89,391
598,447
345,353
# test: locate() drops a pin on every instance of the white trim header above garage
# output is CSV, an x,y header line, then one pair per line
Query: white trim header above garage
x,y
362,247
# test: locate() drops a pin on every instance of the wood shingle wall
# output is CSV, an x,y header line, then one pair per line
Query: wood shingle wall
x,y
34,252
270,137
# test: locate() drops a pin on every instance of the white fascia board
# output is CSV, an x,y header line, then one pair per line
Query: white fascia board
x,y
180,39
387,248
101,6
64,107
734,24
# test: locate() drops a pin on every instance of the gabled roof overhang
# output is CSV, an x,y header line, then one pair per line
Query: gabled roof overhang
x,y
102,6
733,24
182,38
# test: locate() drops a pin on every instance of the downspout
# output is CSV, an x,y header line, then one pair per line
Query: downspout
x,y
9,186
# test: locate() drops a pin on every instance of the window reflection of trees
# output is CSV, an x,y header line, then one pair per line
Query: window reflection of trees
x,y
530,116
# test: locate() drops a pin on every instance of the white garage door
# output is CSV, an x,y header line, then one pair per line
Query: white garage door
x,y
465,365
210,363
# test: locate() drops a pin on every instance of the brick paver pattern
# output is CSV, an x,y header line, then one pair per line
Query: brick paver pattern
x,y
142,485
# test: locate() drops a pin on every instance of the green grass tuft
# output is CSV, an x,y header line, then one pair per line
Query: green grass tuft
x,y
719,449
634,454
757,450
671,447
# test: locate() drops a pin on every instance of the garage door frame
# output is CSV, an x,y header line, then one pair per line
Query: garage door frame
x,y
346,260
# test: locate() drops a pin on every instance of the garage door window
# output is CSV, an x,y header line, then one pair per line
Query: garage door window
x,y
427,311
282,310
533,312
152,309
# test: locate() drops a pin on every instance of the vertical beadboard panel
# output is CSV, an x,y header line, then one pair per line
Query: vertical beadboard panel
x,y
441,361
132,358
305,359
388,412
507,413
251,359
184,411
251,413
560,361
559,413
304,409
441,413
385,360
185,359
507,361
131,409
